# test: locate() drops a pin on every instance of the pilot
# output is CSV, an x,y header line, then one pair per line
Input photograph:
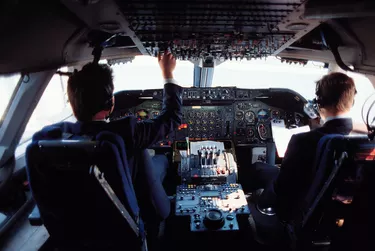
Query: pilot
x,y
90,93
287,188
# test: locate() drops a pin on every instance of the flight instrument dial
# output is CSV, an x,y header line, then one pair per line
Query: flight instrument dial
x,y
250,117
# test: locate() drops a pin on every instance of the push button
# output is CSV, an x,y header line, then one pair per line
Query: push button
x,y
230,217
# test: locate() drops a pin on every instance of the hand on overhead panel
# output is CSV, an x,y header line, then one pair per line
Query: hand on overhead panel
x,y
167,63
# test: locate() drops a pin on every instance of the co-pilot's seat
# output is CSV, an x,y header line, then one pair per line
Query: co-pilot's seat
x,y
74,206
336,211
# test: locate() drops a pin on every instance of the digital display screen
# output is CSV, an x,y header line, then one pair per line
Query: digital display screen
x,y
181,145
209,194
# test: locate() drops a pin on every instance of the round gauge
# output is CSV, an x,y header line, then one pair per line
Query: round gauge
x,y
211,115
250,133
239,115
204,128
142,114
204,122
250,117
198,122
191,114
198,114
263,114
205,114
262,131
275,114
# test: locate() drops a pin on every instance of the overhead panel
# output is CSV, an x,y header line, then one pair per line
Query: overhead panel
x,y
223,29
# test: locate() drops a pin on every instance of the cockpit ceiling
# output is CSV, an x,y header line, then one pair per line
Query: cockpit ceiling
x,y
48,34
193,29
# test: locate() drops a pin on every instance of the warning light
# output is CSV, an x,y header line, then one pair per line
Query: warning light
x,y
366,154
183,126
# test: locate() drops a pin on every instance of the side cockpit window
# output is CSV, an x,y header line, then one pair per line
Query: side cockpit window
x,y
52,107
364,90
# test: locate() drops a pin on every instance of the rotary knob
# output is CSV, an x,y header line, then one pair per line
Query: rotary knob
x,y
214,219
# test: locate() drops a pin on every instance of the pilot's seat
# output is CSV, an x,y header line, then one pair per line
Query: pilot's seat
x,y
335,213
74,206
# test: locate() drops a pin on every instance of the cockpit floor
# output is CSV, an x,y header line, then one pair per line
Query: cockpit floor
x,y
177,236
24,237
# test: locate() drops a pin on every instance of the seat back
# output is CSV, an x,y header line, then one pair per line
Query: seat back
x,y
329,203
73,205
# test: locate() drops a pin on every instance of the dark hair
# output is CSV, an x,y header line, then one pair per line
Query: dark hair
x,y
335,91
90,90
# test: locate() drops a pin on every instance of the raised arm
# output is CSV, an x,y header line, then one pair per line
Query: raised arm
x,y
150,131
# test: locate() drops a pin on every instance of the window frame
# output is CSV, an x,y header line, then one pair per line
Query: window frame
x,y
14,93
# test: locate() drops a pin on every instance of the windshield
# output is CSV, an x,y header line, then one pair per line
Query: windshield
x,y
144,73
269,73
8,85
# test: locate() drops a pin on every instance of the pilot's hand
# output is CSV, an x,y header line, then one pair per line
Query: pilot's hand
x,y
167,63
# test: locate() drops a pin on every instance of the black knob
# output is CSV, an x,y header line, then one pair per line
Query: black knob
x,y
214,219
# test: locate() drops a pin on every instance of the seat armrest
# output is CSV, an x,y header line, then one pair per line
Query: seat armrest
x,y
34,217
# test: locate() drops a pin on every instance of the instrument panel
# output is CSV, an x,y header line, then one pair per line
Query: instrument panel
x,y
207,122
234,114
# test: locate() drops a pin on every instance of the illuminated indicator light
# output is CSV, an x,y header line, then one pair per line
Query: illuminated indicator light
x,y
195,175
182,126
196,107
368,155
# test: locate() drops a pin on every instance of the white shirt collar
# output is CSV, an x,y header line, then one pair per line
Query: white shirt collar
x,y
343,116
103,120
